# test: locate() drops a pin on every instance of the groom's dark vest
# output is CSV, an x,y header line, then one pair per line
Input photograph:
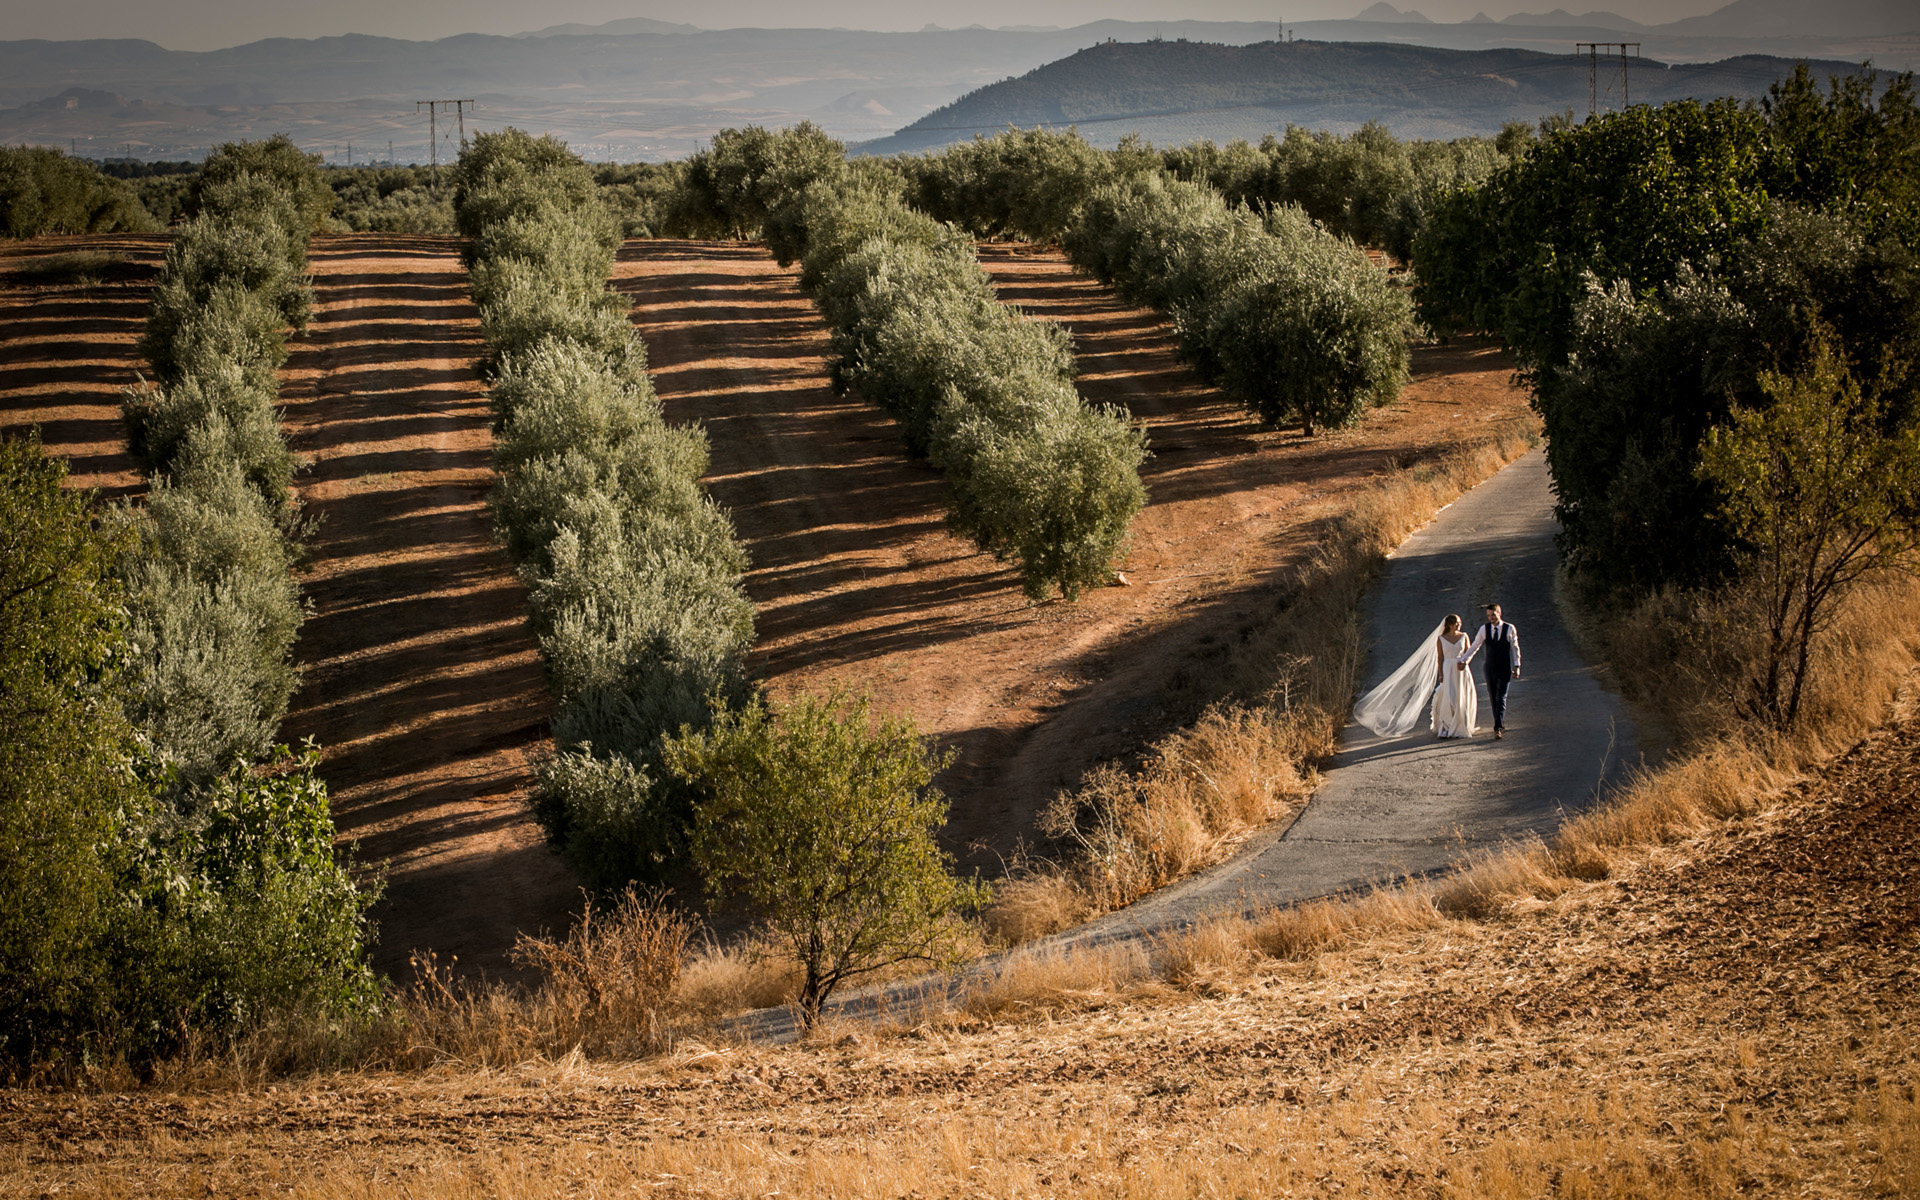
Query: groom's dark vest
x,y
1498,651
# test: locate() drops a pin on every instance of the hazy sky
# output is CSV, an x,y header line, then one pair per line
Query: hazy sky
x,y
209,24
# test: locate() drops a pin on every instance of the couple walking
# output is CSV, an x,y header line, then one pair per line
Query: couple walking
x,y
1437,679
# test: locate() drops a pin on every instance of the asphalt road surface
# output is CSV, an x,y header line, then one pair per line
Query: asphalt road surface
x,y
1414,805
1395,807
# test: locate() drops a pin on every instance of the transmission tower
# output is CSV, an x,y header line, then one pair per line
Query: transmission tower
x,y
433,127
1593,52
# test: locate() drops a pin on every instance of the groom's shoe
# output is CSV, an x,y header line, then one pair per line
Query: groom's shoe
x,y
1499,732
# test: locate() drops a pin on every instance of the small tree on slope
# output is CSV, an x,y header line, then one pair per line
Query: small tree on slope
x,y
821,818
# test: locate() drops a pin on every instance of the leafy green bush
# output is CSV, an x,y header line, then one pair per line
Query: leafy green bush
x,y
214,413
822,819
64,760
1648,267
137,911
212,615
44,191
633,574
731,188
286,172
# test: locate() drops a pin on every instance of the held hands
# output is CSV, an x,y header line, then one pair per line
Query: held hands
x,y
1516,672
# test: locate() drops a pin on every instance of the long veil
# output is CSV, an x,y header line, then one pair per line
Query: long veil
x,y
1397,707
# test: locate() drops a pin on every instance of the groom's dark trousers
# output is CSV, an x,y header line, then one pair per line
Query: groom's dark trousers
x,y
1497,655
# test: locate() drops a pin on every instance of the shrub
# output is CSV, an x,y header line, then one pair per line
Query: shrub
x,y
734,186
822,819
44,191
212,415
240,910
63,761
213,611
288,173
634,576
1290,319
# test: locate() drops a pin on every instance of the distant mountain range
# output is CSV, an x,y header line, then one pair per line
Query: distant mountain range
x,y
648,89
1172,92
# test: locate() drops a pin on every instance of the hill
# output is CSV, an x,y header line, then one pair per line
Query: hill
x,y
1176,91
641,89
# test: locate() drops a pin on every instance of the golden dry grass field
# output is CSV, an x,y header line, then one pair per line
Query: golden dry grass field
x,y
1732,1015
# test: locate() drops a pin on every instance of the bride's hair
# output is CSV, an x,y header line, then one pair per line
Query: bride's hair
x,y
1452,624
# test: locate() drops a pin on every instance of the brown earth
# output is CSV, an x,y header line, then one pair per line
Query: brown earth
x,y
67,349
1734,1016
421,677
857,582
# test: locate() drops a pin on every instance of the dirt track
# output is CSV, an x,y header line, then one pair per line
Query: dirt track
x,y
422,681
856,580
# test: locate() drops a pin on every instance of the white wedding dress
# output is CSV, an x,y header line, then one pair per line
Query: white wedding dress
x,y
1419,688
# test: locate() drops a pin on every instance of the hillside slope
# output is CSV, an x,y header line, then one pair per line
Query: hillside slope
x,y
1176,91
1735,1017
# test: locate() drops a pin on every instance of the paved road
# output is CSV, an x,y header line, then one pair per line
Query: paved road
x,y
1413,805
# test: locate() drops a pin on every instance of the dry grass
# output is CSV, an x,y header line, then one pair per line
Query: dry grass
x,y
1249,762
1054,978
83,268
720,980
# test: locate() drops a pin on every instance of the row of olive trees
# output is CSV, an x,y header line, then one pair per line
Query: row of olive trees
x,y
44,191
634,573
191,859
1035,475
1290,318
1367,185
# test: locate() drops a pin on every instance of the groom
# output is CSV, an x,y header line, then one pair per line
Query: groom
x,y
1502,644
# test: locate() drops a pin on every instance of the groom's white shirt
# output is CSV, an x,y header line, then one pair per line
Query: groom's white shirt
x,y
1480,639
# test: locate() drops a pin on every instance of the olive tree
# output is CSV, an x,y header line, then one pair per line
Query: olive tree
x,y
821,818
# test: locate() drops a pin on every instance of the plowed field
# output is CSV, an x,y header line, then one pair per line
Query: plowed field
x,y
66,350
422,682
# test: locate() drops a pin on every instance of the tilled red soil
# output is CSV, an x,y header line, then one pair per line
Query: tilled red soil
x,y
856,580
67,349
421,677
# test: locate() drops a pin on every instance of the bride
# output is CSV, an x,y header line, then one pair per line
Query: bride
x,y
1431,679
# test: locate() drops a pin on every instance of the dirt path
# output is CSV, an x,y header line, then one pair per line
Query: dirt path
x,y
856,580
66,350
422,680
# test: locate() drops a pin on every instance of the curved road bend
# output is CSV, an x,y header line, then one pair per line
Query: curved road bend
x,y
1414,805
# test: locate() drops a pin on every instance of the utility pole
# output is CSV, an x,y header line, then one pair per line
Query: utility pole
x,y
349,155
1593,51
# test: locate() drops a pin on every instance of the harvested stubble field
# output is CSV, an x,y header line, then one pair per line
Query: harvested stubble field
x,y
1732,1015
422,682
